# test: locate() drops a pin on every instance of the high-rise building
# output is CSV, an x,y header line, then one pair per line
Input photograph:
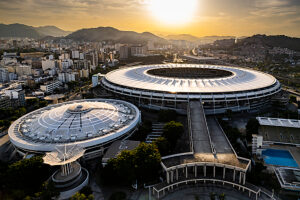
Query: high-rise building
x,y
22,70
138,50
4,75
124,52
95,80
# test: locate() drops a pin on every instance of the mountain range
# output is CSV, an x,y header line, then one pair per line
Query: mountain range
x,y
200,40
21,30
112,34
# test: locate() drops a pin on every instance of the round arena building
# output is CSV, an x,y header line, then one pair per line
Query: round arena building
x,y
172,86
90,123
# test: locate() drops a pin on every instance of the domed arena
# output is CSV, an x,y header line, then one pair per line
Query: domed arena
x,y
172,86
92,124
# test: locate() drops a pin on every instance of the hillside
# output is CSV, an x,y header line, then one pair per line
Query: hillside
x,y
18,30
273,41
52,31
186,37
112,34
22,31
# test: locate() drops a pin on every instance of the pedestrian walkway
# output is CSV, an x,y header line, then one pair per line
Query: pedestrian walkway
x,y
157,131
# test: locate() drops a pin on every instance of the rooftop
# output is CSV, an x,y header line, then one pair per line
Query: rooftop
x,y
291,123
88,122
208,79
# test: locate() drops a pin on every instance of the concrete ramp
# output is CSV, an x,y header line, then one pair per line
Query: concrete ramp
x,y
198,127
218,138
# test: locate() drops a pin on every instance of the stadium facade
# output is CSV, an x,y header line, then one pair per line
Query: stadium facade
x,y
172,86
93,124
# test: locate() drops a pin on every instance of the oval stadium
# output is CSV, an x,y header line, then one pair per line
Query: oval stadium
x,y
92,124
172,86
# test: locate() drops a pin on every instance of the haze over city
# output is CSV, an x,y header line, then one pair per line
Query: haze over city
x,y
196,17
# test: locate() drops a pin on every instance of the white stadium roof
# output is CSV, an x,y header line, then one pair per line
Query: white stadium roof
x,y
85,122
241,79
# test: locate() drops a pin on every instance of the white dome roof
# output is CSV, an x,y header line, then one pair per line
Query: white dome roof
x,y
88,122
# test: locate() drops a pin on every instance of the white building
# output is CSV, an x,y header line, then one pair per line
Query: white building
x,y
48,64
75,54
138,50
124,52
67,77
95,80
65,64
22,70
49,87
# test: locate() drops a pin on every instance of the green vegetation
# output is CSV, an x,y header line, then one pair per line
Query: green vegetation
x,y
10,114
258,176
24,178
141,164
48,191
35,103
118,196
163,146
172,132
167,115
81,196
144,129
233,134
222,196
293,99
213,196
251,128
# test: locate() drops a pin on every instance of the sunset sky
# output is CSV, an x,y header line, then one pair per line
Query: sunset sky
x,y
203,18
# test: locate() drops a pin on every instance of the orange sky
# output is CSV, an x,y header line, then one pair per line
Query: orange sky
x,y
212,17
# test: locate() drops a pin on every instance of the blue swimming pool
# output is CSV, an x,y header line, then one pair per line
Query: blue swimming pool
x,y
279,157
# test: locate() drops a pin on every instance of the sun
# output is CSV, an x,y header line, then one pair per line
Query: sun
x,y
173,11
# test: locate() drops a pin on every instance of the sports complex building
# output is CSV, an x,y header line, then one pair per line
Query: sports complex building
x,y
172,86
93,124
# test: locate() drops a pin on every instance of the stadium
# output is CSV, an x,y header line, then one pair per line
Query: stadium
x,y
172,86
92,124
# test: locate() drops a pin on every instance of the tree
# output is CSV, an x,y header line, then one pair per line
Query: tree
x,y
229,113
163,146
118,196
124,166
293,99
212,196
172,132
24,177
167,115
142,164
251,128
86,190
147,161
81,196
43,104
222,196
48,191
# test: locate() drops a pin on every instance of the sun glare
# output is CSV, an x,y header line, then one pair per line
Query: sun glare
x,y
173,11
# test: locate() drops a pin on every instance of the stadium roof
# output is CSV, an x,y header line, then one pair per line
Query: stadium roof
x,y
291,123
85,122
237,79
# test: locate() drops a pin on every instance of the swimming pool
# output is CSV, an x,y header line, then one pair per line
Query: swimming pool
x,y
279,157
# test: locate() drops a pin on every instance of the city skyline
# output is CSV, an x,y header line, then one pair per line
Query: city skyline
x,y
201,18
